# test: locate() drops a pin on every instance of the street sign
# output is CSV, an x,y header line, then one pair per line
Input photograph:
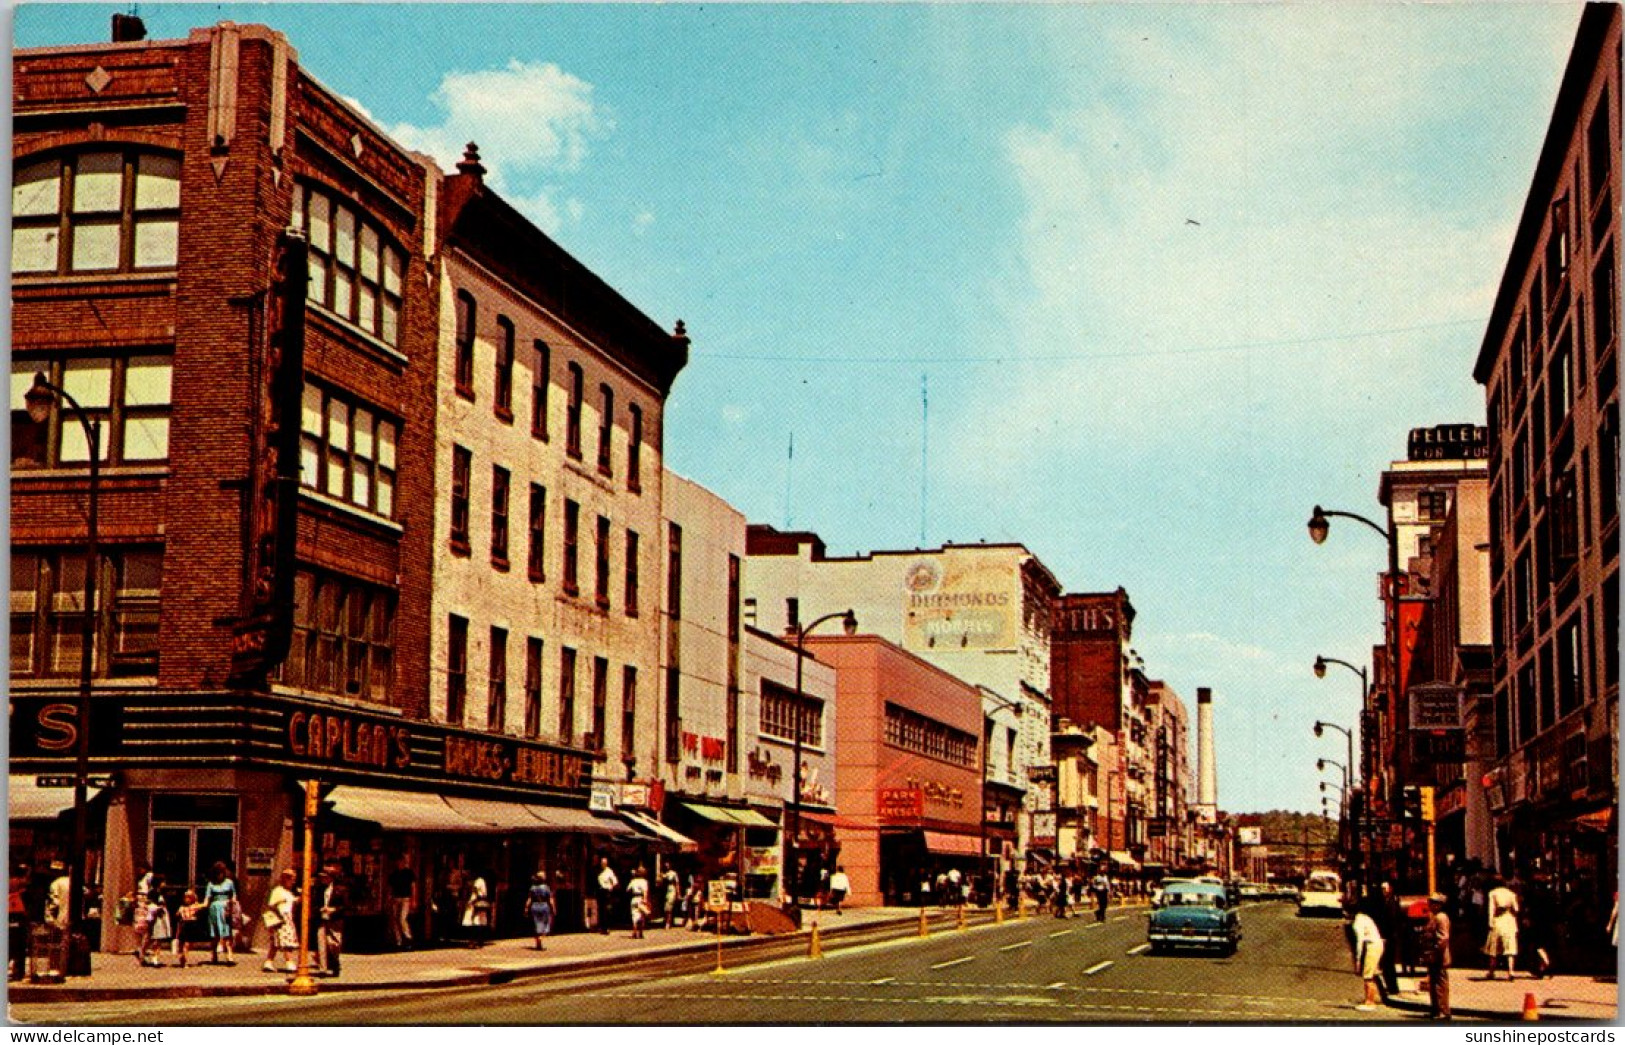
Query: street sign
x,y
716,896
66,780
1434,705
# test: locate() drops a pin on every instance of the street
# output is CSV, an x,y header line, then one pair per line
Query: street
x,y
1035,970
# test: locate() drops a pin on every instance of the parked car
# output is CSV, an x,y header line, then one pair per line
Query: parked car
x,y
1322,895
1194,914
1252,891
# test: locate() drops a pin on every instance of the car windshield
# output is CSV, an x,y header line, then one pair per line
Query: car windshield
x,y
1322,885
1188,898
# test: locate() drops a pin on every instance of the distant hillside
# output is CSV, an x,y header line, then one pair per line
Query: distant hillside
x,y
1284,828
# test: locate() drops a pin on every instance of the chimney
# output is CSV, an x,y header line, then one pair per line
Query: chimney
x,y
128,29
1207,783
470,163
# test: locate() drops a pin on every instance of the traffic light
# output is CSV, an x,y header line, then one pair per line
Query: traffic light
x,y
1425,805
1410,802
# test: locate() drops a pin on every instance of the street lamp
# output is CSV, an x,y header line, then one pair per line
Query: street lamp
x,y
1016,709
41,396
849,623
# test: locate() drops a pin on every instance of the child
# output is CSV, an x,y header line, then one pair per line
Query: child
x,y
193,927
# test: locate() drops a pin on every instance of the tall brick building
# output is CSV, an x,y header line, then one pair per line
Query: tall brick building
x,y
270,454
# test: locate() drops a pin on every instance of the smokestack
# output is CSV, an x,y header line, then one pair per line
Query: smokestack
x,y
1207,782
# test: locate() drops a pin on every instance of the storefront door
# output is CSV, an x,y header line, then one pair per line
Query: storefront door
x,y
190,833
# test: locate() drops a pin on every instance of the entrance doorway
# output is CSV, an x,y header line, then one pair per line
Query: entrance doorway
x,y
190,833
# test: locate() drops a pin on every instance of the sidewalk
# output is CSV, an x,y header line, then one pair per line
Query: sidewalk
x,y
117,976
1556,997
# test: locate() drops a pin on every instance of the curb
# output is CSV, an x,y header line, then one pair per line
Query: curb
x,y
1423,1005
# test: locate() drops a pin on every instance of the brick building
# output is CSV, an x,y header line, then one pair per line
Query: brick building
x,y
1549,364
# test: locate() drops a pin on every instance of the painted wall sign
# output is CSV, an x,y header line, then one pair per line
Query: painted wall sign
x,y
955,601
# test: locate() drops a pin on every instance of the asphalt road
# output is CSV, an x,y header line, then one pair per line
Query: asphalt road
x,y
1037,970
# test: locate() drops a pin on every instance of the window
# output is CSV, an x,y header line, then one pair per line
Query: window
x,y
467,317
533,687
1602,304
912,731
782,712
631,599
572,541
126,397
601,551
1557,246
47,612
792,613
343,637
503,388
1608,468
600,702
355,272
674,571
536,557
1569,661
629,704
496,703
1610,631
108,211
456,669
1599,149
347,451
1431,505
1537,315
1565,513
674,720
1560,383
606,429
499,517
462,466
572,413
1527,725
634,450
541,377
567,695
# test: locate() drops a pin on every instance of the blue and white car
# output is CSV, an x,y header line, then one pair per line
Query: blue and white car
x,y
1194,914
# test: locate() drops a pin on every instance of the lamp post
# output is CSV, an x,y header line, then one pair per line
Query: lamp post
x,y
39,399
1016,709
1353,840
849,623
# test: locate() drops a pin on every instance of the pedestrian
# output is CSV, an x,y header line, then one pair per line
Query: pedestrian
x,y
1502,941
608,882
671,895
955,887
839,886
1101,886
56,897
637,895
1368,948
403,885
477,912
219,894
1540,920
539,904
191,926
278,919
153,926
1390,923
1059,896
331,902
1436,957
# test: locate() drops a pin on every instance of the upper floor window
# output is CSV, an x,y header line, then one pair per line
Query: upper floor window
x,y
456,669
499,516
1599,149
467,315
347,451
108,211
462,467
572,413
47,612
343,637
1431,505
606,427
503,389
355,272
126,396
541,377
634,449
572,542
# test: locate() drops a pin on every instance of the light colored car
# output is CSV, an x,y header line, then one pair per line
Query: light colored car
x,y
1322,895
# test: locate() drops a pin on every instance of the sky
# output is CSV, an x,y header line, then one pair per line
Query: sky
x,y
1166,275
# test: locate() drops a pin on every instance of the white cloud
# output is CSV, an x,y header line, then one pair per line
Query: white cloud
x,y
527,118
642,221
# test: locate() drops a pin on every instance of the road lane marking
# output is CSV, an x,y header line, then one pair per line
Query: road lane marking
x,y
1057,985
1063,932
1098,967
882,981
956,961
1137,950
1016,946
1094,925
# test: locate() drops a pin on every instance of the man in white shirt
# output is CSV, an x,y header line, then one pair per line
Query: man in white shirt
x,y
1367,957
607,883
839,886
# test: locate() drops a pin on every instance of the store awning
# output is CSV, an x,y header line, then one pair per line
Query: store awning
x,y
405,811
1598,820
1120,857
563,819
649,825
724,815
952,845
509,816
26,800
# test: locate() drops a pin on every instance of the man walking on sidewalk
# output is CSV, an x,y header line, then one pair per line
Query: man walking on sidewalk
x,y
331,900
1436,956
402,889
607,884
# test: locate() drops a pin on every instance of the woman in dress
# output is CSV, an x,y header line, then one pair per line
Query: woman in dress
x,y
1503,938
477,912
637,892
152,920
193,925
279,908
540,905
218,894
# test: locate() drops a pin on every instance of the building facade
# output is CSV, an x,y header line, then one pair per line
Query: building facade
x,y
1549,364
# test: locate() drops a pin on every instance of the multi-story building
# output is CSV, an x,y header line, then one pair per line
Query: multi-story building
x,y
258,300
980,612
1549,364
1169,828
1095,683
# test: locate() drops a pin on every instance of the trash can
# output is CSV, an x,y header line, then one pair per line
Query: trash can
x,y
47,954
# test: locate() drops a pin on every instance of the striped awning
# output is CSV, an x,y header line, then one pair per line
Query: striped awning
x,y
26,800
406,811
650,825
726,815
953,845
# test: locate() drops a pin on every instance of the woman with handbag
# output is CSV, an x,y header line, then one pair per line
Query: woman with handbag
x,y
278,917
218,894
540,906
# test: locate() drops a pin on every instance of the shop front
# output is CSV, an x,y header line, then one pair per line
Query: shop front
x,y
729,842
210,778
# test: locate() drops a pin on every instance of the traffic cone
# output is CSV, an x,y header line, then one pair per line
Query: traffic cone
x,y
815,947
1531,1008
998,912
961,916
925,930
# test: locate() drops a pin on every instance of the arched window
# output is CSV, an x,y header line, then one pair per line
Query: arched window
x,y
112,210
355,272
